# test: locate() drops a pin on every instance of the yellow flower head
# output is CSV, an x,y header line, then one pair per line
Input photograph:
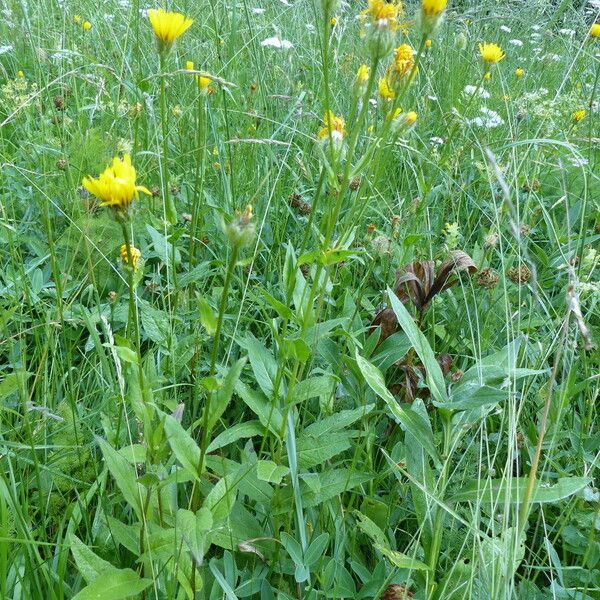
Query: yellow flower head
x,y
384,15
491,53
428,43
20,74
411,118
595,30
433,8
487,76
202,81
168,26
362,75
403,60
579,115
334,127
333,21
135,256
86,25
519,72
385,89
77,19
115,186
189,65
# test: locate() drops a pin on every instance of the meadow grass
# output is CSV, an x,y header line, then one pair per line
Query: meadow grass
x,y
341,345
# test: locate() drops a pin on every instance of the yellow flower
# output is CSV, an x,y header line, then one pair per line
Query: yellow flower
x,y
202,81
403,59
189,65
135,256
385,90
487,76
433,8
334,127
595,30
362,75
333,21
519,72
579,115
168,26
20,74
86,25
411,118
77,19
428,43
115,186
491,53
384,15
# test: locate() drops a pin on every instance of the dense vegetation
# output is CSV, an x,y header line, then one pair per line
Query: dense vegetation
x,y
299,300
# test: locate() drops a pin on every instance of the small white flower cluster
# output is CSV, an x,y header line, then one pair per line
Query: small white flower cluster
x,y
489,119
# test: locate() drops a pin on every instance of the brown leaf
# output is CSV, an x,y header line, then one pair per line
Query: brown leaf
x,y
386,319
446,276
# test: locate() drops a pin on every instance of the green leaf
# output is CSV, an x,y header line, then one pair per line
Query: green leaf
x,y
312,451
338,421
183,445
124,475
316,549
281,309
221,498
89,564
267,470
371,529
402,561
408,418
195,528
154,322
513,491
207,316
433,373
263,364
223,396
314,387
114,585
269,415
235,433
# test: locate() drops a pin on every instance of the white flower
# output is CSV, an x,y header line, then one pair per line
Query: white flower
x,y
536,27
569,32
5,49
259,11
471,89
515,42
277,42
432,98
437,141
505,28
536,36
489,120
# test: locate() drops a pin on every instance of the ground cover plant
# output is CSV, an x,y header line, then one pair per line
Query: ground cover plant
x,y
299,299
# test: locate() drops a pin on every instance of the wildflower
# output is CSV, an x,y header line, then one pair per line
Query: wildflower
x,y
487,76
20,74
402,122
135,256
333,21
381,20
403,64
167,26
115,186
488,278
202,81
432,12
276,42
519,72
519,275
489,120
470,90
461,41
517,43
451,233
371,228
595,30
385,90
362,79
491,53
428,43
77,19
579,115
86,25
505,28
241,229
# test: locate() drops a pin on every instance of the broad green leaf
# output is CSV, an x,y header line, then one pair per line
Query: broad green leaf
x,y
433,372
267,470
501,490
89,564
315,549
124,474
207,315
371,529
408,418
312,451
402,561
235,433
154,322
269,415
338,421
222,398
263,364
221,498
283,310
390,351
114,585
183,445
195,528
313,387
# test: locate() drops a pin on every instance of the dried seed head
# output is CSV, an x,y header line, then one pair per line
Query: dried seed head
x,y
305,208
491,239
519,275
371,228
525,230
457,376
396,592
155,191
59,103
61,164
488,278
112,296
354,183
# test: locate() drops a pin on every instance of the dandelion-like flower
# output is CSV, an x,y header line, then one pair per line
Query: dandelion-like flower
x,y
428,43
386,91
115,186
579,115
135,256
86,25
241,229
168,26
595,30
361,80
381,20
432,12
491,53
333,131
519,72
403,65
202,81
